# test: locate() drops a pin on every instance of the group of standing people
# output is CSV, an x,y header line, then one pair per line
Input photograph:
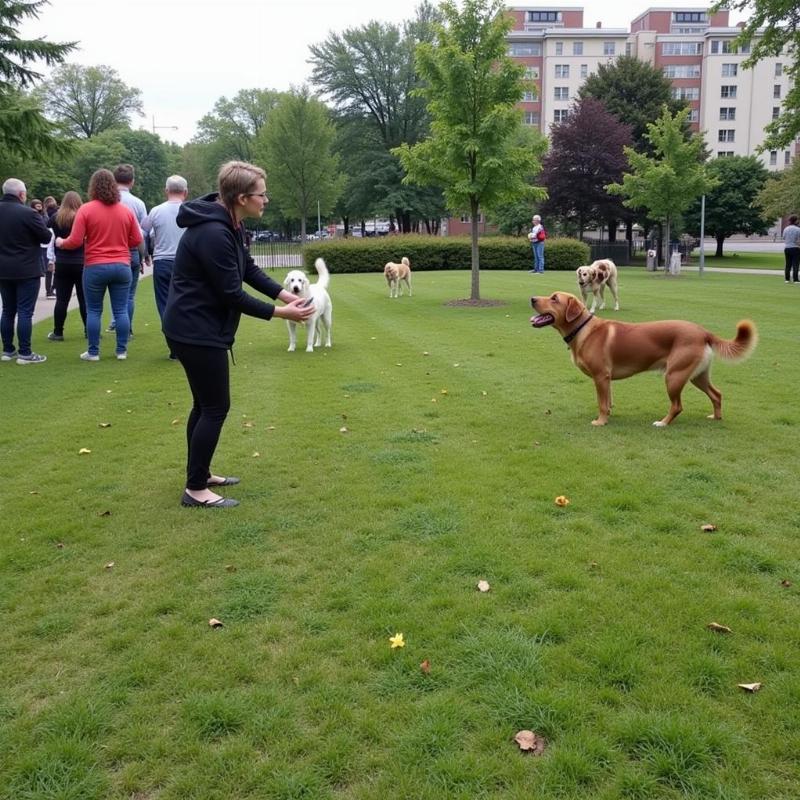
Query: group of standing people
x,y
200,264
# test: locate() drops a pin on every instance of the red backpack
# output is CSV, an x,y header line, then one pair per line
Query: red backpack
x,y
541,235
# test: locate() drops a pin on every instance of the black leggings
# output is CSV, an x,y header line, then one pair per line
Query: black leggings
x,y
792,256
67,277
209,379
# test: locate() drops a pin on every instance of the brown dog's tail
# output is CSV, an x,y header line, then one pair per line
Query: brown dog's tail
x,y
740,347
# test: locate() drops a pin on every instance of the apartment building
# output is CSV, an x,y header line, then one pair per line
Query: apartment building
x,y
692,47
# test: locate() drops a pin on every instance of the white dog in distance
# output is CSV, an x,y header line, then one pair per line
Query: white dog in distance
x,y
320,323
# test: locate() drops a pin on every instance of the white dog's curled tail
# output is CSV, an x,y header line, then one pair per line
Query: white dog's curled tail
x,y
405,261
322,271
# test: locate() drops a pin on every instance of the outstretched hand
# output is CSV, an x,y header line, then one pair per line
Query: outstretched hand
x,y
296,311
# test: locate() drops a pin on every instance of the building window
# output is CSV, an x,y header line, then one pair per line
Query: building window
x,y
727,113
468,218
727,91
562,70
584,70
776,91
773,158
529,97
724,153
532,118
525,49
689,16
560,115
727,135
577,48
559,48
686,92
609,48
561,93
776,112
682,71
681,48
628,49
543,16
787,157
714,46
778,69
532,73
694,115
730,70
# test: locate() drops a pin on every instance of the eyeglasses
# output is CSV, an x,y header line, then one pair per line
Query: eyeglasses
x,y
256,194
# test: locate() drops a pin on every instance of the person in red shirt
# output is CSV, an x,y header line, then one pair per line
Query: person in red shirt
x,y
108,231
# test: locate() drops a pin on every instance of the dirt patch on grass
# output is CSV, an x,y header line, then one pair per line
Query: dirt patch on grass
x,y
476,303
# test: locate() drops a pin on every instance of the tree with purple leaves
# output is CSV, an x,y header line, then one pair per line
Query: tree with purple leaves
x,y
586,154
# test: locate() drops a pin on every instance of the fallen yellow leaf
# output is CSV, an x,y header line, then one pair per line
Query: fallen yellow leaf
x,y
256,454
717,628
483,586
562,501
425,666
708,528
529,742
215,623
397,641
110,565
105,425
750,687
84,451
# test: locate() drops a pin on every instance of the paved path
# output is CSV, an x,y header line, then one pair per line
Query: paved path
x,y
744,270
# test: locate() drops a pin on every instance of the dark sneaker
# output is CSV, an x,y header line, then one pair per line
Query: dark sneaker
x,y
8,355
54,337
31,358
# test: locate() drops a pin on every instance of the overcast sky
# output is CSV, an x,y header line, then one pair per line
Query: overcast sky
x,y
186,54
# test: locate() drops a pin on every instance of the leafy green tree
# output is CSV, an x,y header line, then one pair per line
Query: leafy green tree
x,y
635,93
773,28
24,131
781,193
296,147
85,101
369,74
732,206
587,152
471,88
667,183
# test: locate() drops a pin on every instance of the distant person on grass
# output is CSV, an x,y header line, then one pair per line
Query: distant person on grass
x,y
791,250
69,266
22,233
536,237
165,234
205,302
108,231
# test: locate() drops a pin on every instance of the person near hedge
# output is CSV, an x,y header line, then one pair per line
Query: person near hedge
x,y
68,266
536,238
791,250
205,302
108,231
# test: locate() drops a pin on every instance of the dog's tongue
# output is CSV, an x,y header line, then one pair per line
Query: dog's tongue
x,y
542,320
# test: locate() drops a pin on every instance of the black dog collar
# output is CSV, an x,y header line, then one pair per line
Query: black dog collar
x,y
570,336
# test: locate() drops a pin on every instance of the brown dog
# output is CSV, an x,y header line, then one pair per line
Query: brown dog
x,y
398,274
594,279
607,350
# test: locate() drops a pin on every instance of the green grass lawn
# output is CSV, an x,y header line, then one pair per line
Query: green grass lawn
x,y
463,425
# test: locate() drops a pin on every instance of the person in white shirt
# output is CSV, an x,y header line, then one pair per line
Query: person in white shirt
x,y
536,238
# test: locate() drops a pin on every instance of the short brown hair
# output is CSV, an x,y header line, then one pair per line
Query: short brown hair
x,y
235,178
124,173
65,215
103,187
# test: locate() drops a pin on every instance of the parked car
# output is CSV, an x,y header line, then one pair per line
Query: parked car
x,y
265,236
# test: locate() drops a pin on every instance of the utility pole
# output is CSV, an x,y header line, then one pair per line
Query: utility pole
x,y
702,235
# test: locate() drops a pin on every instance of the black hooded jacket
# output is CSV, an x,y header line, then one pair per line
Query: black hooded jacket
x,y
22,232
206,294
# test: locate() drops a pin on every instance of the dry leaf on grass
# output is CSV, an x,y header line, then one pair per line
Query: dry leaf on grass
x,y
750,687
230,568
84,451
343,429
708,528
104,425
256,454
215,623
529,742
786,583
105,513
247,424
425,666
176,421
444,391
562,501
110,565
60,545
717,628
397,641
483,586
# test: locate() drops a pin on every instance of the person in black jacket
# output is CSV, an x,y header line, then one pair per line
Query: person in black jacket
x,y
205,302
22,233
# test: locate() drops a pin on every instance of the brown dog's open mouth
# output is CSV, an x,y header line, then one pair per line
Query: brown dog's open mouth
x,y
542,320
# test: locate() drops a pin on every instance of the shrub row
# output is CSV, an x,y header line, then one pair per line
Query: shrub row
x,y
438,253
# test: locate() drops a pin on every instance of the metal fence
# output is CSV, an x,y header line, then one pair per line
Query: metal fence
x,y
272,254
616,251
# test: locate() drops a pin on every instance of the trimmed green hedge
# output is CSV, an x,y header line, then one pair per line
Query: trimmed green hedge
x,y
438,253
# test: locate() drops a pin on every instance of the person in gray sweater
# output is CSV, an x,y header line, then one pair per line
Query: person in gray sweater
x,y
791,250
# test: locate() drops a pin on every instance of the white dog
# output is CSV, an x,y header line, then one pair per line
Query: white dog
x,y
398,274
595,278
321,321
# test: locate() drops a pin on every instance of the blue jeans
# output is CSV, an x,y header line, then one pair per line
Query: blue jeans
x,y
136,263
19,299
538,256
162,275
117,278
